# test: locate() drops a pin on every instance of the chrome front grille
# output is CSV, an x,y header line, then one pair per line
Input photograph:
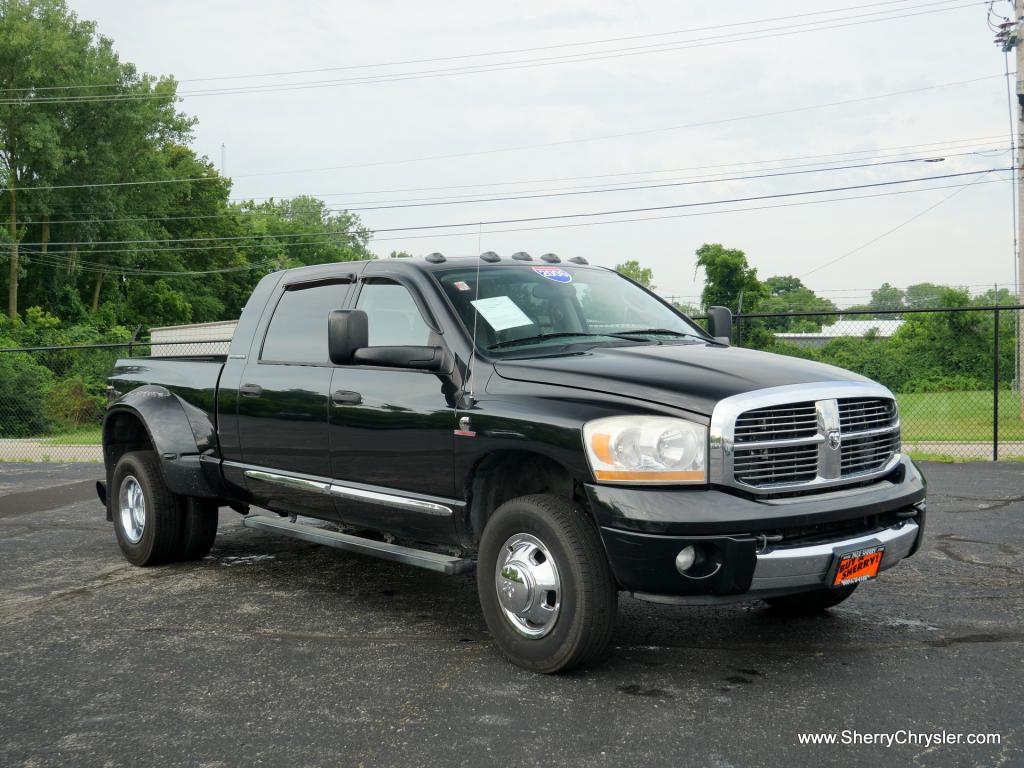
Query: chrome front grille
x,y
772,466
782,423
866,453
860,413
848,432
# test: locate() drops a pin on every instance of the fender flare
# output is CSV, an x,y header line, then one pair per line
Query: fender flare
x,y
179,432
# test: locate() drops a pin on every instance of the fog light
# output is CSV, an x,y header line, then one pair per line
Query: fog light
x,y
685,559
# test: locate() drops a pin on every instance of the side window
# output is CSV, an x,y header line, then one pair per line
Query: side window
x,y
298,330
392,315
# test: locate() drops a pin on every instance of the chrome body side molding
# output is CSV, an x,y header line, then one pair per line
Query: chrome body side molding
x,y
333,488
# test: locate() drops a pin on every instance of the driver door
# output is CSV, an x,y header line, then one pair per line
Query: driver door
x,y
392,429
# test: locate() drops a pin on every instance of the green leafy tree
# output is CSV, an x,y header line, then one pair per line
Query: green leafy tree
x,y
729,281
923,295
51,144
886,297
788,294
637,273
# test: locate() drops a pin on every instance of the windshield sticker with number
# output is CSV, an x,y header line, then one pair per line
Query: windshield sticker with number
x,y
557,274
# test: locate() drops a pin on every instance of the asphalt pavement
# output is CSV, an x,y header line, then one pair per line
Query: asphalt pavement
x,y
274,652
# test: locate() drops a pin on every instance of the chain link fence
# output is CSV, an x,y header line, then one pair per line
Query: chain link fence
x,y
955,373
52,399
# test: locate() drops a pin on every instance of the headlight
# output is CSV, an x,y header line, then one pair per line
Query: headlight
x,y
646,449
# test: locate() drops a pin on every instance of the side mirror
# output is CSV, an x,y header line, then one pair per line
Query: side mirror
x,y
347,331
720,324
422,358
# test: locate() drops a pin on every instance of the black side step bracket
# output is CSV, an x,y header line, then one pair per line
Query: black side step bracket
x,y
422,558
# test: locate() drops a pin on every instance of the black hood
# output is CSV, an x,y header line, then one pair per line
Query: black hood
x,y
693,377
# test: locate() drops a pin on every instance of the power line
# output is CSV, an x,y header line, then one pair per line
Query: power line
x,y
513,51
503,66
623,211
685,215
898,227
545,194
543,145
473,232
57,260
782,163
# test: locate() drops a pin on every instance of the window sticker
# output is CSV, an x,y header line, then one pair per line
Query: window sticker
x,y
557,274
462,286
501,313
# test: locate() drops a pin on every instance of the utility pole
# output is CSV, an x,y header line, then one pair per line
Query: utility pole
x,y
1018,16
1009,37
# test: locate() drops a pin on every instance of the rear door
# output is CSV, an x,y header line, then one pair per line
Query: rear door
x,y
283,401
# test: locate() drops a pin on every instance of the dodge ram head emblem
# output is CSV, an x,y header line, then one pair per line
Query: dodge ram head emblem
x,y
834,439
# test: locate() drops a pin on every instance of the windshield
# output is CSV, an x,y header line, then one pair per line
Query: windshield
x,y
521,308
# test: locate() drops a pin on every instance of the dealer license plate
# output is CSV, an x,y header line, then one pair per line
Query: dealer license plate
x,y
857,566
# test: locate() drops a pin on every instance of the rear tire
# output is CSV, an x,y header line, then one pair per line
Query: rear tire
x,y
546,590
147,518
807,603
198,528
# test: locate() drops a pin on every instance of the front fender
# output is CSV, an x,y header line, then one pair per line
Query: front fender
x,y
179,433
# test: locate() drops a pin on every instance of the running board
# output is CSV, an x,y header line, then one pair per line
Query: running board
x,y
419,557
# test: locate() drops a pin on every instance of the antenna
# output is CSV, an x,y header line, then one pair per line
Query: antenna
x,y
476,314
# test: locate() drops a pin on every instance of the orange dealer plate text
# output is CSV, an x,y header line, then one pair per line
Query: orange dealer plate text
x,y
858,566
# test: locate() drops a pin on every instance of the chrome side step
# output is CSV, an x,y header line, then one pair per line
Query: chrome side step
x,y
395,552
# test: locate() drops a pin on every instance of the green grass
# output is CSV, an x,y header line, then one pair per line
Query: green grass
x,y
91,434
959,417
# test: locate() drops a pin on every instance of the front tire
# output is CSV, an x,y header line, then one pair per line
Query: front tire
x,y
546,591
146,515
807,603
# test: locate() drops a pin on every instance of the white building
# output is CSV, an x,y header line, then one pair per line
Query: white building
x,y
207,338
843,328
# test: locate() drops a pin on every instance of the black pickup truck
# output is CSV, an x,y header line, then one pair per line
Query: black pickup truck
x,y
552,425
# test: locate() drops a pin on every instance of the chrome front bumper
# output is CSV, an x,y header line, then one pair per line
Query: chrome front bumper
x,y
792,569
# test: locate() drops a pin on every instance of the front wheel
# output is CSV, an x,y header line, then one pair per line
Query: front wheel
x,y
545,587
807,603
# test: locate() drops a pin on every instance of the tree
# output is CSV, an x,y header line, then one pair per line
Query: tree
x,y
783,285
729,281
886,297
636,273
788,294
923,295
42,46
51,142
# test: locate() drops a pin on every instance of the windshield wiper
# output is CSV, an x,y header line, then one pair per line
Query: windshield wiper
x,y
542,337
654,332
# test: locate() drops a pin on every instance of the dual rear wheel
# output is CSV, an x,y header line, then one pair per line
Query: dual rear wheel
x,y
153,526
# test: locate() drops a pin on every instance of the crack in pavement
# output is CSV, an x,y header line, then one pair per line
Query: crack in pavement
x,y
989,504
17,608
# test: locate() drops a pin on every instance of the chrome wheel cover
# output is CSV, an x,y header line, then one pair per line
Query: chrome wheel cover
x,y
528,586
132,505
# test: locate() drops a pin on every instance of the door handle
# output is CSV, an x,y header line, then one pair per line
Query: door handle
x,y
342,397
250,390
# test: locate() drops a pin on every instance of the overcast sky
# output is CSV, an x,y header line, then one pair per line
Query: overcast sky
x,y
966,240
